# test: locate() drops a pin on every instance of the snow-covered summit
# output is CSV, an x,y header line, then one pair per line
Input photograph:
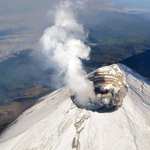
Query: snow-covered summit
x,y
57,123
110,88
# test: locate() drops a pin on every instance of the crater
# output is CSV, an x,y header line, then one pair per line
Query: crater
x,y
110,89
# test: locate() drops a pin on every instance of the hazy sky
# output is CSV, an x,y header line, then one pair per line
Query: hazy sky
x,y
16,6
132,3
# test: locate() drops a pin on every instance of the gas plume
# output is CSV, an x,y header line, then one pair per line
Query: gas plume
x,y
64,44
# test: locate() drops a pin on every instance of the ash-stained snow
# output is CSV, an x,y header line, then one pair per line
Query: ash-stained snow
x,y
110,88
57,124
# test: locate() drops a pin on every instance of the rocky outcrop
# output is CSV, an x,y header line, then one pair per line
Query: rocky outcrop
x,y
110,88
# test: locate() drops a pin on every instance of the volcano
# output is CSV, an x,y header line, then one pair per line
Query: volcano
x,y
57,123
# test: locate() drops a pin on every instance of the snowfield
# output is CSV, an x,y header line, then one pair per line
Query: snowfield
x,y
57,124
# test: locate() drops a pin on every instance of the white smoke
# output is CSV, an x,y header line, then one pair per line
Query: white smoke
x,y
64,44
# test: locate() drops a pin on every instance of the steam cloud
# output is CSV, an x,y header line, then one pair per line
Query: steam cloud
x,y
64,44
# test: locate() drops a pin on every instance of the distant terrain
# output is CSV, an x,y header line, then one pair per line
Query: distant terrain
x,y
118,37
22,83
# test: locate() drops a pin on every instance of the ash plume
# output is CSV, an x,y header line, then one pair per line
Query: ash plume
x,y
64,44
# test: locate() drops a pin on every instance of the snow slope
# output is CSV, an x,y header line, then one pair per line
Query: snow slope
x,y
57,124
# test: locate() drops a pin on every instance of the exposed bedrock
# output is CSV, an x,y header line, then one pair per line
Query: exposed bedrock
x,y
110,89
